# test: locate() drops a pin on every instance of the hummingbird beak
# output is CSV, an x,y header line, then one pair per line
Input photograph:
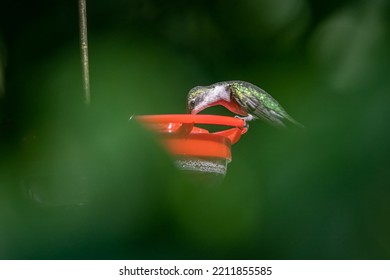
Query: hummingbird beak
x,y
198,108
193,111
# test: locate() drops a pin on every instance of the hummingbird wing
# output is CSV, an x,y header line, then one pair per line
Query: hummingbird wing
x,y
260,104
260,110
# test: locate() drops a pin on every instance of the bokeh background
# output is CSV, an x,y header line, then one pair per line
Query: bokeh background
x,y
84,183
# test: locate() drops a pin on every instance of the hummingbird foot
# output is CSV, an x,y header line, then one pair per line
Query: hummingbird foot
x,y
245,119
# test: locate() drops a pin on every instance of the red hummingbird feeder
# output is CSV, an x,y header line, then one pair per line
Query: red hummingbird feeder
x,y
196,149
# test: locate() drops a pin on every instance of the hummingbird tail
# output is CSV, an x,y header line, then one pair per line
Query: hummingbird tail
x,y
288,117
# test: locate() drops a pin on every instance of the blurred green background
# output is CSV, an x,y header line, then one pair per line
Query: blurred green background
x,y
84,183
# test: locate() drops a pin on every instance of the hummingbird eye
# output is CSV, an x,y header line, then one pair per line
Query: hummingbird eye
x,y
192,104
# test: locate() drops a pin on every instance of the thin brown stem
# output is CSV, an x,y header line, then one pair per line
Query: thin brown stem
x,y
84,50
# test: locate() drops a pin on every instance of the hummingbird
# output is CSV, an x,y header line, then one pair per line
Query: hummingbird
x,y
246,100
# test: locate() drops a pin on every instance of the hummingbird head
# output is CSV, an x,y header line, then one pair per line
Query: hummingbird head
x,y
202,97
195,98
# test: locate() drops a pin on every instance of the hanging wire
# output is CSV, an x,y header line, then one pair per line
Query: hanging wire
x,y
84,50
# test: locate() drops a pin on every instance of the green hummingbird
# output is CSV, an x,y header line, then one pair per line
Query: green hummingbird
x,y
242,98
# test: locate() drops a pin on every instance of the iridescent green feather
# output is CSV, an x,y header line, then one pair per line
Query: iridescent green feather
x,y
258,102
